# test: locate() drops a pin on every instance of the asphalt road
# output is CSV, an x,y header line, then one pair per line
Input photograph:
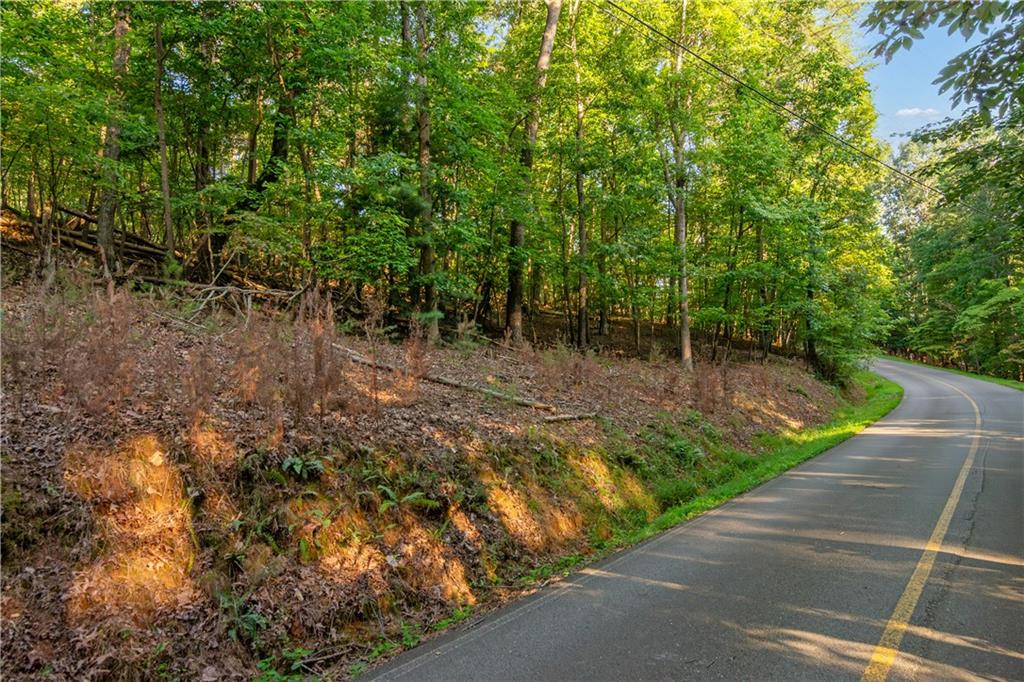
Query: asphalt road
x,y
804,576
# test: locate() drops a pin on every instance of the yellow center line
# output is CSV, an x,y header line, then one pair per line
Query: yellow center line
x,y
888,646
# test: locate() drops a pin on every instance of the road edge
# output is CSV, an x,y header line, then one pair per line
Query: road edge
x,y
881,397
999,381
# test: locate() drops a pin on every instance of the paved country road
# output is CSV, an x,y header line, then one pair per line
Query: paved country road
x,y
910,534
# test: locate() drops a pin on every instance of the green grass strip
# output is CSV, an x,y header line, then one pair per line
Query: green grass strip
x,y
1011,383
783,452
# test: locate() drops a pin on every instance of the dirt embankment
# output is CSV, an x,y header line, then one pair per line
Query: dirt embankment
x,y
195,494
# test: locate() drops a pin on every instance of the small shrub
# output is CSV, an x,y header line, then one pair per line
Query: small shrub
x,y
417,364
314,372
100,363
723,474
303,468
675,491
200,384
244,624
623,452
686,453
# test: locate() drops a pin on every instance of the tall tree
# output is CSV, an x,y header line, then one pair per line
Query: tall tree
x,y
161,127
517,228
112,144
426,191
582,317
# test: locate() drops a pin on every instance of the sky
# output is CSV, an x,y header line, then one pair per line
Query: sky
x,y
903,91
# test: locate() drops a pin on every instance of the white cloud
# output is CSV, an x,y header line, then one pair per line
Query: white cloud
x,y
917,112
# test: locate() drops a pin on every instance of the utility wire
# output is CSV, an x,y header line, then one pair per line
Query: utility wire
x,y
766,97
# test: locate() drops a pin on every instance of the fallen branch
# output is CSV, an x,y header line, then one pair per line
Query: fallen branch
x,y
131,240
15,247
78,214
445,381
570,417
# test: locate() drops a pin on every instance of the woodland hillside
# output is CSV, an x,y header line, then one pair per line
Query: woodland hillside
x,y
326,325
207,494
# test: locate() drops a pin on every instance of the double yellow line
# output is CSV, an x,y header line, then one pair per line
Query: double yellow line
x,y
888,646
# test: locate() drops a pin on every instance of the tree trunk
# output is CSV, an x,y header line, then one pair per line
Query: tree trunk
x,y
603,325
161,131
426,191
517,231
762,290
209,261
685,352
679,204
112,146
730,268
582,321
570,322
250,152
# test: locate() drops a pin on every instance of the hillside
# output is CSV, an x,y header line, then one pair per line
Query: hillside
x,y
189,492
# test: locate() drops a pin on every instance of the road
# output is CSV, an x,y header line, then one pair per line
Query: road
x,y
898,554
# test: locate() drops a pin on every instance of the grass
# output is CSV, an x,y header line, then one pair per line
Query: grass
x,y
781,453
1011,383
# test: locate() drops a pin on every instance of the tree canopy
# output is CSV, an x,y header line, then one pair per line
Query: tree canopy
x,y
431,156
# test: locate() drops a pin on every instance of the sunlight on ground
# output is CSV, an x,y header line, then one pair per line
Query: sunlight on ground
x,y
763,414
615,490
142,521
430,566
210,445
512,509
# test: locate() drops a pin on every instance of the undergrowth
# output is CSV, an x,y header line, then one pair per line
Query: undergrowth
x,y
318,513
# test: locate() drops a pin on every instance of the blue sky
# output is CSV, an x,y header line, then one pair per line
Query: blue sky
x,y
903,91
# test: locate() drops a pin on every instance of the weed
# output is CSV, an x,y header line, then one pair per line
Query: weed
x,y
559,566
304,468
688,454
410,635
244,624
675,491
414,499
710,432
293,662
458,615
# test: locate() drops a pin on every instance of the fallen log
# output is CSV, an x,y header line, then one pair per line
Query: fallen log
x,y
86,241
570,417
445,381
126,236
78,214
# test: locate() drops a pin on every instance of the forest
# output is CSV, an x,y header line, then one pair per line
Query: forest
x,y
326,323
479,165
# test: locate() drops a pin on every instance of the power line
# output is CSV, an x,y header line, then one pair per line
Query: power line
x,y
768,98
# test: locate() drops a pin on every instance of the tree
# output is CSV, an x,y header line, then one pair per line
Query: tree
x,y
517,228
161,127
112,145
426,193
